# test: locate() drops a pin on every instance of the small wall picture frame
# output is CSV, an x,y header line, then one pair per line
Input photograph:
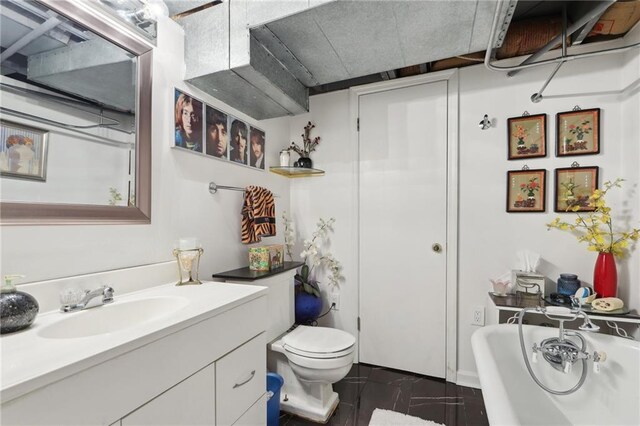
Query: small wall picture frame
x,y
23,151
573,187
526,191
578,132
188,112
527,136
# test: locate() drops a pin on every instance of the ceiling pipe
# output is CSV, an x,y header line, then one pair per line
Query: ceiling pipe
x,y
490,51
597,12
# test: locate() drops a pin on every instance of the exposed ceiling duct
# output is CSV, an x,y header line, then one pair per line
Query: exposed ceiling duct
x,y
43,47
264,68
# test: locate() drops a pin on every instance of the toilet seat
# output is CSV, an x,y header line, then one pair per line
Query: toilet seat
x,y
319,342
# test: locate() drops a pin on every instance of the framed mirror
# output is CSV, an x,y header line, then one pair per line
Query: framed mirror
x,y
75,129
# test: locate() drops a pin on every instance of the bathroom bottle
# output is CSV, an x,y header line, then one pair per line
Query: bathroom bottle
x,y
17,308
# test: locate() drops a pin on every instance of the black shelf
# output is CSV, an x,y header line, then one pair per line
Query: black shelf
x,y
246,274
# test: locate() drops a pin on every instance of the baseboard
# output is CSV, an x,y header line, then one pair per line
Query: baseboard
x,y
469,379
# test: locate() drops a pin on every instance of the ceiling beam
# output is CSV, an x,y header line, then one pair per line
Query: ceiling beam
x,y
46,26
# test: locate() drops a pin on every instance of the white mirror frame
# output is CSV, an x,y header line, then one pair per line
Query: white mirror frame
x,y
13,213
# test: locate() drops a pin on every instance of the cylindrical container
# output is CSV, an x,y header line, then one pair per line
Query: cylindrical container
x,y
568,284
285,157
274,384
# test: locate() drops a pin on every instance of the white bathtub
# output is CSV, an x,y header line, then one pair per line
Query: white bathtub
x,y
513,398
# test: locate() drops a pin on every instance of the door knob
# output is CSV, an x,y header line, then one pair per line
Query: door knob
x,y
436,247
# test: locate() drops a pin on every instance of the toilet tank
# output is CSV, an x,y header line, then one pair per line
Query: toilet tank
x,y
280,302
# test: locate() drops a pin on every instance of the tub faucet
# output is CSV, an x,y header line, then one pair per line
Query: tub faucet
x,y
560,352
105,291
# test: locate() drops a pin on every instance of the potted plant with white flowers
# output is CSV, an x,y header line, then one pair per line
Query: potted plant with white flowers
x,y
308,302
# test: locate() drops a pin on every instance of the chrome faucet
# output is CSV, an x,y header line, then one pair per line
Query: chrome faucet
x,y
105,291
560,352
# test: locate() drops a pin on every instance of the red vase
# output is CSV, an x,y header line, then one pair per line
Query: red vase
x,y
605,276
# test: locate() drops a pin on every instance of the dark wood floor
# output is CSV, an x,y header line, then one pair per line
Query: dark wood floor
x,y
368,387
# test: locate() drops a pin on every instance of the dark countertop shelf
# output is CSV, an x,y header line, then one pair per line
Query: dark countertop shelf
x,y
513,302
246,274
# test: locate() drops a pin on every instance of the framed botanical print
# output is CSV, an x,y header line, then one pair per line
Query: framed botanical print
x,y
578,132
23,151
527,136
526,191
574,185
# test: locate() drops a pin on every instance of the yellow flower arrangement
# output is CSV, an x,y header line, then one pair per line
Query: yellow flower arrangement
x,y
595,227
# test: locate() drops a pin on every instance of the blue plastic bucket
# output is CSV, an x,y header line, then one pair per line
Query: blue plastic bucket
x,y
274,384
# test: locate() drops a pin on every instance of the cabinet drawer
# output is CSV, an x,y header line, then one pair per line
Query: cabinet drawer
x,y
240,380
256,415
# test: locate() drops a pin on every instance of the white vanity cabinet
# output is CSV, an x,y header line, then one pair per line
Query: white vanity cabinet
x,y
219,394
190,402
209,369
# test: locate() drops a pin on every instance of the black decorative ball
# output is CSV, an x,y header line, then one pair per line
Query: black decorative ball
x,y
18,310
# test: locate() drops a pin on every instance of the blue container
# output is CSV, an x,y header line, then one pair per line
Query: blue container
x,y
568,284
307,307
274,384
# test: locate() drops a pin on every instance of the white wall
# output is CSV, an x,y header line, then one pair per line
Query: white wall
x,y
181,203
331,195
488,236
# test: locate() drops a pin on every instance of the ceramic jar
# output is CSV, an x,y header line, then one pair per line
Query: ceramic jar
x,y
568,284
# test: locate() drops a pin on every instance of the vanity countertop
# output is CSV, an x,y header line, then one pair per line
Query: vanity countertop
x,y
31,359
246,274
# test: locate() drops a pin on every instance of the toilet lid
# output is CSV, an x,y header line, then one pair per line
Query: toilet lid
x,y
318,341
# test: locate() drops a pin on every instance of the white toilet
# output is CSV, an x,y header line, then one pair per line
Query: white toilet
x,y
310,359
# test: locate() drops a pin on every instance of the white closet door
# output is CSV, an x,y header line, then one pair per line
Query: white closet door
x,y
403,199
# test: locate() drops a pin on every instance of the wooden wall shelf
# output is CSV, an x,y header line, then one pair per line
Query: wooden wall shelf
x,y
296,172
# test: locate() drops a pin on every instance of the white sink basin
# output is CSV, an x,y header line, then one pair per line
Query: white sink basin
x,y
113,317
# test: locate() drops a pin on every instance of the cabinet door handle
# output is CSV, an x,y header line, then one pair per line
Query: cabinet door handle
x,y
237,385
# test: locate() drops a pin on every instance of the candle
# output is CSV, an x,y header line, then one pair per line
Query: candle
x,y
188,243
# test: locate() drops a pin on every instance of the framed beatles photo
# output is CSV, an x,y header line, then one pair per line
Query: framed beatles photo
x,y
23,153
188,121
578,132
526,191
527,136
216,134
256,148
238,137
574,185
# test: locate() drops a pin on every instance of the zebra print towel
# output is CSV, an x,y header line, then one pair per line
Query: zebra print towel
x,y
258,214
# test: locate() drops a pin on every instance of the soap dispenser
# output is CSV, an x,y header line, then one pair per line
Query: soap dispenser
x,y
17,308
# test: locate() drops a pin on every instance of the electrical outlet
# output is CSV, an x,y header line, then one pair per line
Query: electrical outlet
x,y
478,316
334,298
